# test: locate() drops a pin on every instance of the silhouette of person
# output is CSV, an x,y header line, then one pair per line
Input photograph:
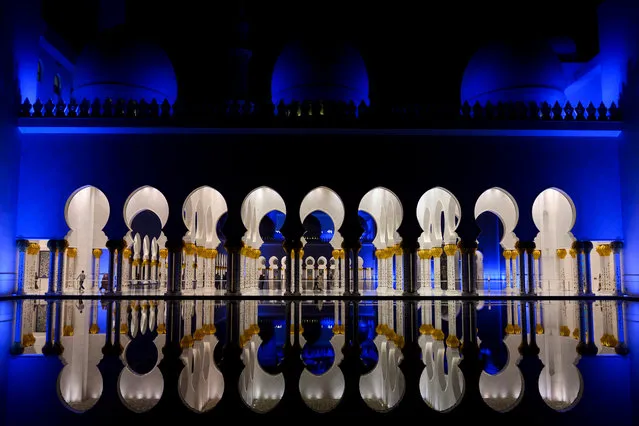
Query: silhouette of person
x,y
104,284
81,279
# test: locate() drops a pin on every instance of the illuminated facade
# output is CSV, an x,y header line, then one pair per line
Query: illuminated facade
x,y
527,185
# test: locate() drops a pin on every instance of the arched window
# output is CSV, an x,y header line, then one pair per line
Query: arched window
x,y
57,85
39,77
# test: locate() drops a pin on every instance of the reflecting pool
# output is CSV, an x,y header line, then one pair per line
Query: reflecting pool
x,y
552,361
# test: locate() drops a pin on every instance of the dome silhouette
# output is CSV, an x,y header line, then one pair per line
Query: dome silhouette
x,y
313,71
120,64
514,71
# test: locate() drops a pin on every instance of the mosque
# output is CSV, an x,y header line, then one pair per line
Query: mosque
x,y
115,181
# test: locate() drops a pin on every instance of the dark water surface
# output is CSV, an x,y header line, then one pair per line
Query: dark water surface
x,y
71,362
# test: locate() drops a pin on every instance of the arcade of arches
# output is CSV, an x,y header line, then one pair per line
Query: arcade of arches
x,y
145,261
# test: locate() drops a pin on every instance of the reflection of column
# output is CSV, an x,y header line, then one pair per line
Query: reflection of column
x,y
450,250
53,258
452,341
436,252
23,245
97,253
617,270
62,247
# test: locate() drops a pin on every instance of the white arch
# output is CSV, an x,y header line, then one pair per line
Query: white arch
x,y
146,198
429,210
86,212
209,205
325,200
554,215
386,210
499,202
257,204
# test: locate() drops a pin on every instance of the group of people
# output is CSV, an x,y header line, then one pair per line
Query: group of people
x,y
104,283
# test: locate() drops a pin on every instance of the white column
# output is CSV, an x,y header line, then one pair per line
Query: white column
x,y
561,268
164,253
450,250
437,270
536,254
69,273
507,257
399,268
97,253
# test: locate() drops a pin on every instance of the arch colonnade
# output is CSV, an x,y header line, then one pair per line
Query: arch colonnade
x,y
204,260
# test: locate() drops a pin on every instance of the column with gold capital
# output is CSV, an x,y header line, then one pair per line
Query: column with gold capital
x,y
436,252
536,256
189,263
33,252
70,272
424,270
514,259
561,268
200,263
507,257
450,250
380,271
95,282
126,267
573,285
164,271
605,282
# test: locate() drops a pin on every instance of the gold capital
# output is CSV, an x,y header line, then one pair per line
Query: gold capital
x,y
450,249
562,253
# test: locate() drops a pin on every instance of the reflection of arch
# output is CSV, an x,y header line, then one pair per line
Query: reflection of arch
x,y
433,204
503,205
504,390
255,206
383,387
323,392
560,381
325,200
386,210
201,212
201,383
141,392
259,390
441,391
80,382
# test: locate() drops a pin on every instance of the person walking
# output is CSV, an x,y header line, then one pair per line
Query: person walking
x,y
81,279
104,284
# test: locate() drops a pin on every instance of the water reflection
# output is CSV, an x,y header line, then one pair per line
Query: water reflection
x,y
334,356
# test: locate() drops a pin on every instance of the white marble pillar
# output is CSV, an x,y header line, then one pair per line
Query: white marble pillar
x,y
436,252
450,250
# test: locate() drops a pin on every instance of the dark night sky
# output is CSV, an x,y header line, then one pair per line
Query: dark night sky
x,y
411,52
